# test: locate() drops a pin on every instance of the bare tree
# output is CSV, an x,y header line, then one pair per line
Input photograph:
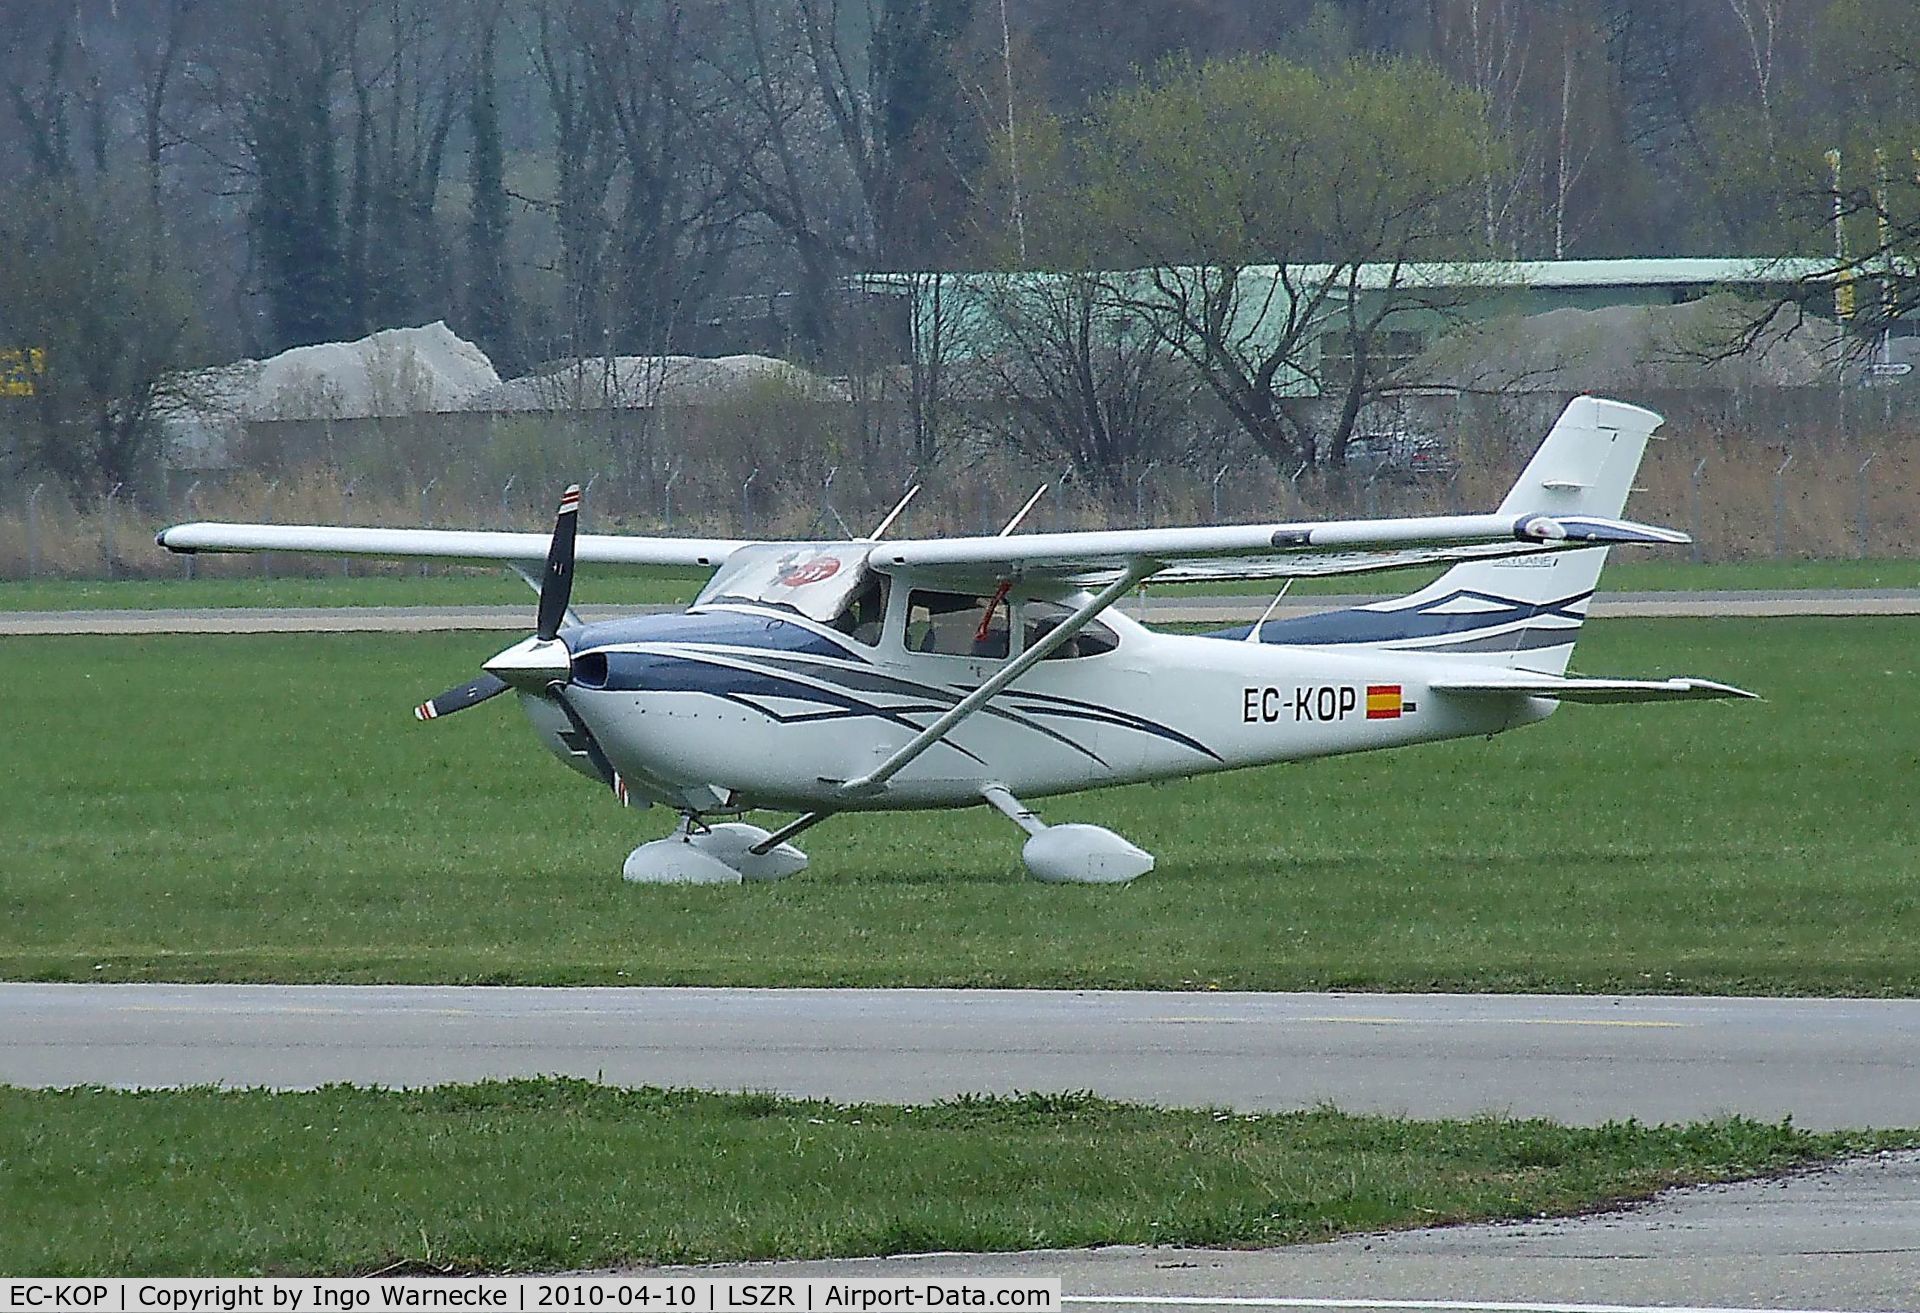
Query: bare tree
x,y
584,163
646,205
1276,210
106,321
1071,373
889,101
50,79
794,170
408,67
157,66
1760,22
1489,42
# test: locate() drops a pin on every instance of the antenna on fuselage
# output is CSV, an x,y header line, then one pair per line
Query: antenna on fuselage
x,y
892,515
1022,513
1253,634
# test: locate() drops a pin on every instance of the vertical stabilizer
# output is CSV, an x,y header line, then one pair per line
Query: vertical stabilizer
x,y
1525,611
1521,612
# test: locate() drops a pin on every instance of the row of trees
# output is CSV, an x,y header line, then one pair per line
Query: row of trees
x,y
198,179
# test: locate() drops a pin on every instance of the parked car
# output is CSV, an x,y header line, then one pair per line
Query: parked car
x,y
1400,456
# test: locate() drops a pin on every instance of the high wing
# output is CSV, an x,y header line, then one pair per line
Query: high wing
x,y
1069,560
1254,551
476,546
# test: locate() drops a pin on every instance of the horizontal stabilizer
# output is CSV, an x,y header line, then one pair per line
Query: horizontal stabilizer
x,y
1590,690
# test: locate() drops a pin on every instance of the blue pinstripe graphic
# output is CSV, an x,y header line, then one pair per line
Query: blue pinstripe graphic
x,y
658,672
1361,625
768,633
743,678
753,672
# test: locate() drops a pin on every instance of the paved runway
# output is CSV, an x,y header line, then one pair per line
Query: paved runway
x,y
1827,1062
1846,1238
1157,609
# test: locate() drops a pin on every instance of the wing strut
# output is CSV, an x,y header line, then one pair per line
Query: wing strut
x,y
1024,511
893,515
871,782
798,825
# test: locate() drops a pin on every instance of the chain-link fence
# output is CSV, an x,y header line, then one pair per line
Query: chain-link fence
x,y
1766,474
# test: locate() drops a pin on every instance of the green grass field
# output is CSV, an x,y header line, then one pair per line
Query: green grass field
x,y
264,808
556,1175
603,588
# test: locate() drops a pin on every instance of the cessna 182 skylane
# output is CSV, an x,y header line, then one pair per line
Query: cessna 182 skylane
x,y
884,674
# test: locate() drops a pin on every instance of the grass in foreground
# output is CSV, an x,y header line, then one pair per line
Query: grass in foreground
x,y
601,587
552,1175
265,808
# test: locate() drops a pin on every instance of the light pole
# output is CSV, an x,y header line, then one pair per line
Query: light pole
x,y
425,518
33,531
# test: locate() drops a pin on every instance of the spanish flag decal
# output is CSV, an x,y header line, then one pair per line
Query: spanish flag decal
x,y
1383,702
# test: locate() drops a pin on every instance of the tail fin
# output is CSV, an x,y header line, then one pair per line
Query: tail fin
x,y
1520,612
1525,611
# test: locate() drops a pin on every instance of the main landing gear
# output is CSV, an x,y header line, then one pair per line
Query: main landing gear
x,y
1070,854
728,853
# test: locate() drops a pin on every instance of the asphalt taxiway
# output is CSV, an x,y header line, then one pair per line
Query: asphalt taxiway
x,y
1847,1237
1824,1062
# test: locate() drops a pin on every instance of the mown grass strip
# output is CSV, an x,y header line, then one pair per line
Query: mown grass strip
x,y
265,808
558,1174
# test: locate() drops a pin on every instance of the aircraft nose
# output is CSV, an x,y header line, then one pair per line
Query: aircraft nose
x,y
532,663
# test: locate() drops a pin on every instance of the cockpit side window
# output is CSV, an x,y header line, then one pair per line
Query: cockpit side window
x,y
1042,618
956,624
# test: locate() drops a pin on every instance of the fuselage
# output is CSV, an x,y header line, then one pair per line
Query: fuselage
x,y
727,707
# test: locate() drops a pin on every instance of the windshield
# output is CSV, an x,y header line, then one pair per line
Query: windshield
x,y
816,580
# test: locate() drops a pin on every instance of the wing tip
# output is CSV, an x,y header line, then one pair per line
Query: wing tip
x,y
1591,531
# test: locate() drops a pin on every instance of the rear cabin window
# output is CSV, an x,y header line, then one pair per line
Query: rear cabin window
x,y
956,624
1042,618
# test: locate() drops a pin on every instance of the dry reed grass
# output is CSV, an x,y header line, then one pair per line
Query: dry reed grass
x,y
1738,509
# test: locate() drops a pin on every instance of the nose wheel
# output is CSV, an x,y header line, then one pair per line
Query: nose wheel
x,y
728,853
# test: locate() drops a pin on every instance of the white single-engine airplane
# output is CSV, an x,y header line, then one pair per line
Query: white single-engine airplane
x,y
879,675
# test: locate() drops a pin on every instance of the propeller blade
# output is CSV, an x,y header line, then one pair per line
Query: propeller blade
x,y
556,585
470,694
